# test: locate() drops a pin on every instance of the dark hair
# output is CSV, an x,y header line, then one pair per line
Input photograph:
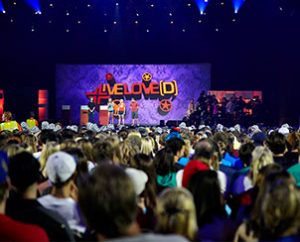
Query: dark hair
x,y
175,145
245,153
145,163
204,149
164,162
204,186
277,143
24,170
108,201
102,151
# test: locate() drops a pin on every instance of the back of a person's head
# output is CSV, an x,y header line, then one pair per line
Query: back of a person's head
x,y
164,162
204,149
175,145
293,140
24,171
205,187
261,156
245,153
176,213
108,201
147,146
4,180
276,143
103,151
280,209
221,138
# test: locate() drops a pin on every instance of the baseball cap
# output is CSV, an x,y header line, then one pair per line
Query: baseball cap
x,y
3,167
139,179
259,138
60,167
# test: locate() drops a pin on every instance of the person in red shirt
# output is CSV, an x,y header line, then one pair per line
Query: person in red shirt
x,y
134,107
11,230
121,111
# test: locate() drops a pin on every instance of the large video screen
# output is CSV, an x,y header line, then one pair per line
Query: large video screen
x,y
163,91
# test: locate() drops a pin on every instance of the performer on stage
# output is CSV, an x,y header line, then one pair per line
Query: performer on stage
x,y
9,124
121,111
91,108
191,108
110,108
134,107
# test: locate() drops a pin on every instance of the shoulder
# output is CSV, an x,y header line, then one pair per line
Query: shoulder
x,y
151,238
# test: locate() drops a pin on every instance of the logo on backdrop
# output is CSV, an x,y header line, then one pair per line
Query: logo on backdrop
x,y
163,91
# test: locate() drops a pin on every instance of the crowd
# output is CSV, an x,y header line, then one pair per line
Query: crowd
x,y
149,183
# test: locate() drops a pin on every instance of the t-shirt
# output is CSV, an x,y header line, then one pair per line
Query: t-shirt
x,y
134,106
150,238
122,107
191,168
32,212
66,207
11,230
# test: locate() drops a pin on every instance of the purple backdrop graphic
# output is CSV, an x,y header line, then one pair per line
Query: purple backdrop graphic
x,y
74,81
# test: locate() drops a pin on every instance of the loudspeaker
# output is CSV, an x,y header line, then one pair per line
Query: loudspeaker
x,y
162,123
173,123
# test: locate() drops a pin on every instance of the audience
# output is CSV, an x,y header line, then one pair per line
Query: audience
x,y
107,184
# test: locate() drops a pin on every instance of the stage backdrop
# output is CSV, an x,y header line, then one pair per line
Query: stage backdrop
x,y
162,91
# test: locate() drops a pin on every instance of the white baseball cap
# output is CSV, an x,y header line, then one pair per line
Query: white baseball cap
x,y
60,167
139,179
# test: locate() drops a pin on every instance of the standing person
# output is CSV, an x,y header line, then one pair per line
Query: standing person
x,y
134,107
191,108
8,123
110,108
91,108
31,121
121,111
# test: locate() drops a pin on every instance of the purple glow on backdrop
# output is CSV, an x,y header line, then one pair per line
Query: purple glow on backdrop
x,y
73,81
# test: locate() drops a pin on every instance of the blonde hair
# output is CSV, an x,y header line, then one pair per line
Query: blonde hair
x,y
176,213
261,157
281,208
48,149
32,143
146,146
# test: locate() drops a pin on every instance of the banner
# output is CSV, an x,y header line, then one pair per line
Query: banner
x,y
163,92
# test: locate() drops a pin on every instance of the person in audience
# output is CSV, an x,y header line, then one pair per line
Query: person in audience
x,y
112,215
176,213
213,220
24,172
277,193
61,171
277,144
11,230
293,142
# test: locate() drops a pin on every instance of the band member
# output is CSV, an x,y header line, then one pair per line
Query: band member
x,y
91,108
191,108
110,108
121,111
9,124
134,107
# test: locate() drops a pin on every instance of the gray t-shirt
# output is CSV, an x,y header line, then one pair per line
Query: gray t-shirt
x,y
150,238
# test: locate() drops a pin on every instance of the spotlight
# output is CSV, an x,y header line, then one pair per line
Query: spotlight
x,y
67,13
51,5
11,20
152,5
3,11
136,22
189,5
170,14
202,4
147,30
117,4
115,22
67,30
105,30
88,5
217,30
50,21
171,22
14,3
237,4
183,30
137,14
79,22
38,12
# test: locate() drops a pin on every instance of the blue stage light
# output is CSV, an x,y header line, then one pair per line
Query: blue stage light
x,y
202,4
2,7
237,4
35,5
